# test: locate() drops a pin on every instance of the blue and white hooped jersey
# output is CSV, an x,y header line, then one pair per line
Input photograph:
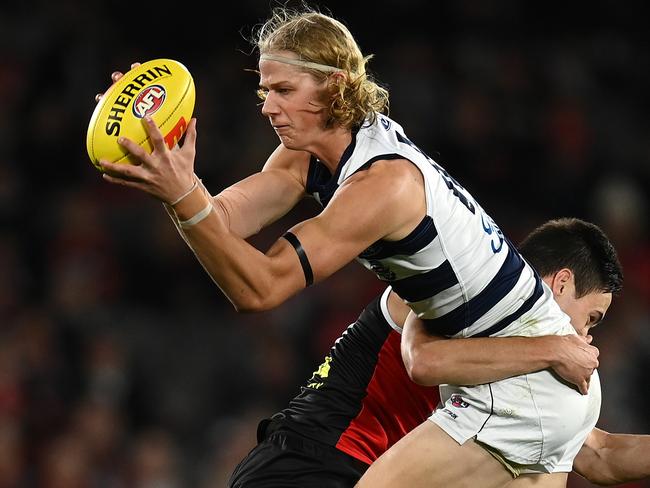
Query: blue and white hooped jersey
x,y
456,269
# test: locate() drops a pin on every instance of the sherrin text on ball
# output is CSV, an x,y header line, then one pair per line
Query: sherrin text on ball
x,y
162,89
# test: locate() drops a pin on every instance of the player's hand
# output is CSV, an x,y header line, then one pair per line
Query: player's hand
x,y
115,75
165,174
576,360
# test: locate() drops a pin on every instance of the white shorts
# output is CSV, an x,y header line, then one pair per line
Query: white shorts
x,y
536,420
533,420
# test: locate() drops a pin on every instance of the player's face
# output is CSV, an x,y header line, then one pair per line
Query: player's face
x,y
293,104
585,312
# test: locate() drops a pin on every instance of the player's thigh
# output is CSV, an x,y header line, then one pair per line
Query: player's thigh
x,y
553,480
428,457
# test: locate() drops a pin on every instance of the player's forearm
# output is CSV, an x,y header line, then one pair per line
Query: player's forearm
x,y
436,360
610,459
477,361
251,204
257,201
245,275
241,220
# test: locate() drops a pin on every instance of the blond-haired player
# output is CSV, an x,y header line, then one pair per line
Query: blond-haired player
x,y
393,208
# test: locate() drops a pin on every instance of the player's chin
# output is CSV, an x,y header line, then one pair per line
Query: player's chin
x,y
289,143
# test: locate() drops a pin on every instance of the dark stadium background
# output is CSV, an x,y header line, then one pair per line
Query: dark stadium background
x,y
122,365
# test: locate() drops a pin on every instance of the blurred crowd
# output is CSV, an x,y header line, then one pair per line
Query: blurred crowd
x,y
121,363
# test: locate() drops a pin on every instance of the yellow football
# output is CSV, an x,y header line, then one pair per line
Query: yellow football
x,y
162,89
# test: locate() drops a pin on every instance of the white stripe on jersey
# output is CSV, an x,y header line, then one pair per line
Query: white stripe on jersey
x,y
402,265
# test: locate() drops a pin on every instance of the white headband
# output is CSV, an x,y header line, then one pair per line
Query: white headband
x,y
299,62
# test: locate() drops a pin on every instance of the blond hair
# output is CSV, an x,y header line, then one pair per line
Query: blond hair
x,y
319,38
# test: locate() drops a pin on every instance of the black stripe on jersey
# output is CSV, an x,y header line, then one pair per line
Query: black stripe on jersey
x,y
381,157
425,285
469,312
525,307
418,238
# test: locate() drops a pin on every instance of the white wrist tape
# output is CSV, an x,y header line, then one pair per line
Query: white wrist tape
x,y
196,218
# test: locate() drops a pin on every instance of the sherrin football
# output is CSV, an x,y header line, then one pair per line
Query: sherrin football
x,y
162,89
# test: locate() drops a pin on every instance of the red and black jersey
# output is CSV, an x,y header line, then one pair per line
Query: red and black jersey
x,y
361,400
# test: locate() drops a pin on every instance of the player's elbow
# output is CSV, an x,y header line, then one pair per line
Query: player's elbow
x,y
260,299
253,304
421,369
248,306
265,290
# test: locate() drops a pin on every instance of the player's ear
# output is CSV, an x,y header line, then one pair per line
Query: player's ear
x,y
338,77
336,83
561,281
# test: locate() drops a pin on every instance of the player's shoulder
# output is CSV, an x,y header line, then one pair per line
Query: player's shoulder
x,y
388,186
392,174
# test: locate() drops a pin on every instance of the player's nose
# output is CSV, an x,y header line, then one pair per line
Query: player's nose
x,y
269,107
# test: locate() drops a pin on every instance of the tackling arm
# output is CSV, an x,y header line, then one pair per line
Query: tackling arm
x,y
433,360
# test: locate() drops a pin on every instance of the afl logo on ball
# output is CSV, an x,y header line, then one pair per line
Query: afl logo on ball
x,y
149,101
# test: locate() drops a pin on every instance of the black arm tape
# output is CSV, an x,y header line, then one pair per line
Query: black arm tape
x,y
304,262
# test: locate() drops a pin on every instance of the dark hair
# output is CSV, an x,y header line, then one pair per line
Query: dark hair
x,y
579,246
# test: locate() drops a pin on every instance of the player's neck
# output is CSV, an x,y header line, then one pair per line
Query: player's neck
x,y
330,147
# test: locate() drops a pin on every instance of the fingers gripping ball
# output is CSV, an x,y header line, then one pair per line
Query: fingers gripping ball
x,y
162,89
